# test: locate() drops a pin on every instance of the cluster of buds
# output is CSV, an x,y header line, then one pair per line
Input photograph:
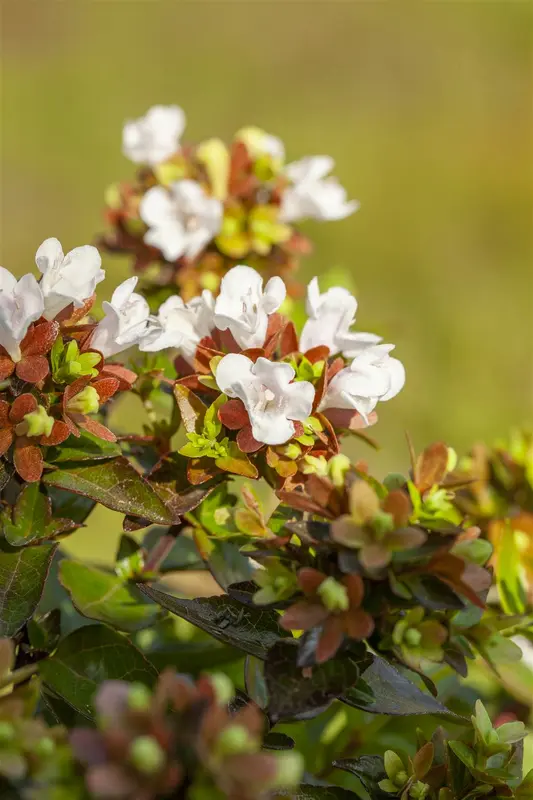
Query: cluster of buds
x,y
360,563
197,210
250,389
485,763
53,370
180,739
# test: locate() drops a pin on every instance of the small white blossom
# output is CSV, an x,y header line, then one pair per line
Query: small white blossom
x,y
67,279
125,321
180,325
181,220
373,376
21,303
271,400
312,193
243,306
331,315
154,137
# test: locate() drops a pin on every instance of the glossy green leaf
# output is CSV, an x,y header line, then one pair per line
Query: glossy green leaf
x,y
115,484
227,564
291,695
22,578
103,596
87,657
249,629
87,448
395,695
70,506
370,771
31,518
310,792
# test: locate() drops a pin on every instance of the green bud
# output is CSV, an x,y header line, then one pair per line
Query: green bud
x,y
38,422
85,402
146,755
334,595
382,523
222,688
292,451
401,778
139,697
7,732
419,790
313,465
45,747
452,460
412,637
290,768
210,280
235,739
338,466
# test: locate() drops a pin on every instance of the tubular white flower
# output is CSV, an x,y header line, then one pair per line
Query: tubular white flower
x,y
312,194
67,279
373,376
181,325
154,137
330,316
21,303
125,322
181,220
271,400
243,306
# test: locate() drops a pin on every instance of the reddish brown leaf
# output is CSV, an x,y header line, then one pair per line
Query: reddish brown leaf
x,y
125,377
246,441
309,579
253,353
303,616
431,466
423,760
22,405
288,340
330,639
319,353
227,342
39,339
60,432
6,367
6,439
335,367
358,624
355,588
182,367
32,369
4,413
397,504
200,470
233,415
106,388
28,460
97,429
302,502
71,315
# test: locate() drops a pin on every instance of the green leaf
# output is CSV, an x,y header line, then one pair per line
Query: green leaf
x,y
115,484
44,630
249,629
309,792
87,448
69,505
105,597
254,681
31,518
22,578
509,572
191,657
170,481
86,658
227,564
369,770
395,695
215,512
292,696
237,463
184,553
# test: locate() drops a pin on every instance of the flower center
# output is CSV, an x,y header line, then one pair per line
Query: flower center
x,y
192,223
268,401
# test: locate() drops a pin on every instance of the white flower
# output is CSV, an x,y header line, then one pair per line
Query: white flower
x,y
330,316
260,143
21,303
243,306
154,137
125,322
372,376
312,194
67,279
182,220
271,400
181,325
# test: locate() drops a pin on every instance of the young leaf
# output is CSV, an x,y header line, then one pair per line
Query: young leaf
x,y
105,597
251,630
509,572
395,695
291,695
22,578
115,484
87,657
32,518
191,408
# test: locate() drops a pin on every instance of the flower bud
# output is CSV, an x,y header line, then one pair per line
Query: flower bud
x,y
45,747
235,739
334,595
222,688
290,768
38,422
313,465
338,466
146,755
412,637
214,156
85,402
139,697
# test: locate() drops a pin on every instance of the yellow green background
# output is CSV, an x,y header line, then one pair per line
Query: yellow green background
x,y
427,108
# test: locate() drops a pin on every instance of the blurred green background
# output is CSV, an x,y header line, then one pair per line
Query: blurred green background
x,y
427,108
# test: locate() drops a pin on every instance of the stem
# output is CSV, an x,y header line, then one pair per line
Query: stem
x,y
18,675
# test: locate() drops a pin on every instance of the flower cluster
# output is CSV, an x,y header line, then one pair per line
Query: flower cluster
x,y
199,209
53,370
258,391
181,735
